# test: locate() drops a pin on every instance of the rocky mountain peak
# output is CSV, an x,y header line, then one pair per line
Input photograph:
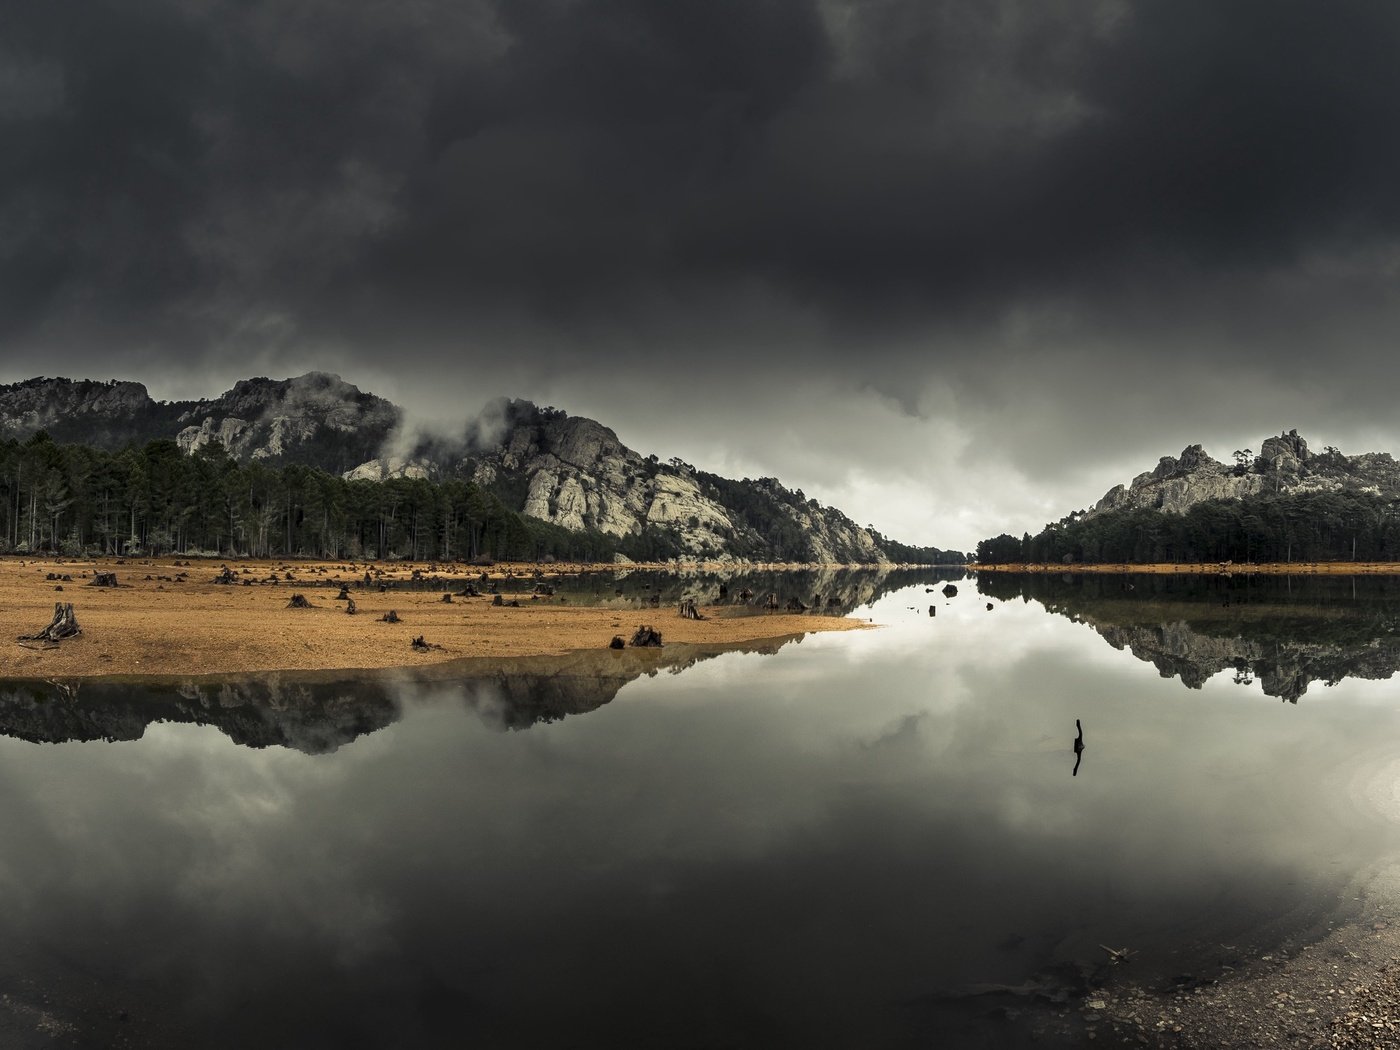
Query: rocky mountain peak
x,y
1284,464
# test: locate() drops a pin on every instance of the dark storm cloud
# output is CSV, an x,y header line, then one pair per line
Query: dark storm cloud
x,y
992,210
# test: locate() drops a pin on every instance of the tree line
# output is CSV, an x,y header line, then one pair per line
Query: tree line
x,y
1285,527
153,500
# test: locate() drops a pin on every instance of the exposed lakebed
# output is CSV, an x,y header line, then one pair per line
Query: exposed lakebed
x,y
869,838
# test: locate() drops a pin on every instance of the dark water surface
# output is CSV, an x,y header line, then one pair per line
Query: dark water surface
x,y
840,842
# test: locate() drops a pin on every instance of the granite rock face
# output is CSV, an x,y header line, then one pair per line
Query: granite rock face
x,y
575,473
1283,464
317,419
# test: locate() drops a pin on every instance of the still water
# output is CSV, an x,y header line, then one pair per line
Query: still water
x,y
858,839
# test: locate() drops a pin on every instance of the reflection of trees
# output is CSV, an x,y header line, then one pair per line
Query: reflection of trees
x,y
317,715
1284,633
840,590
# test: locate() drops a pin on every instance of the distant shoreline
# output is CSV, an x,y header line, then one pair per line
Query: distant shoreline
x,y
168,618
1213,568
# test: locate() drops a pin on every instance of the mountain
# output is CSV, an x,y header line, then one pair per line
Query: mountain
x,y
1284,464
317,419
1286,504
569,471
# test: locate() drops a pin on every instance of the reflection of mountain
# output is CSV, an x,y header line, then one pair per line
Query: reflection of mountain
x,y
1284,633
829,590
316,715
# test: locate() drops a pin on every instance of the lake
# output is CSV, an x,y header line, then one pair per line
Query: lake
x,y
872,838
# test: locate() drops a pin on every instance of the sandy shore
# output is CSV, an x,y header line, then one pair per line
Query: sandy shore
x,y
168,617
1215,568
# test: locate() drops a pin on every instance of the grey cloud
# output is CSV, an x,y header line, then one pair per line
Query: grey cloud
x,y
1031,214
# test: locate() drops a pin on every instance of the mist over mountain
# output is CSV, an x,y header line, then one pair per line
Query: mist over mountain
x,y
569,471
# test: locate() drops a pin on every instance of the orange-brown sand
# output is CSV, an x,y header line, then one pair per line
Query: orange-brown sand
x,y
158,623
1215,568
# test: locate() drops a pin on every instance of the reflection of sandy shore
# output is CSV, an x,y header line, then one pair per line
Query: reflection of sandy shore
x,y
1215,568
158,623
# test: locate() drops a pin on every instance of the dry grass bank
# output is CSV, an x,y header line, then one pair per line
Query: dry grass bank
x,y
168,617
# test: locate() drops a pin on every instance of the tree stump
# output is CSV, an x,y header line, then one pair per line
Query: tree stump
x,y
689,611
723,591
746,596
932,610
391,616
226,576
617,642
447,599
771,602
423,646
104,579
795,605
498,600
950,591
299,602
350,606
647,637
344,595
63,625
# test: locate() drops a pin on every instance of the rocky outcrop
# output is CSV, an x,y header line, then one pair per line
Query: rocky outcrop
x,y
576,474
317,419
1284,464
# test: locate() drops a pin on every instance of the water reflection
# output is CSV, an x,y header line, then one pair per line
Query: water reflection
x,y
861,840
1283,633
319,713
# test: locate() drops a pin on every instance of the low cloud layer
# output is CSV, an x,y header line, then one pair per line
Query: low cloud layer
x,y
968,263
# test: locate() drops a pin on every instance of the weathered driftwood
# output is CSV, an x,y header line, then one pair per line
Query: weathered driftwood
x,y
646,636
689,611
617,642
299,602
391,616
63,625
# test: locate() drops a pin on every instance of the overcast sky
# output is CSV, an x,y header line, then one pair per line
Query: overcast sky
x,y
955,266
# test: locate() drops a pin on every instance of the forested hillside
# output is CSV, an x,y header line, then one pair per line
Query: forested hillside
x,y
158,499
1288,527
